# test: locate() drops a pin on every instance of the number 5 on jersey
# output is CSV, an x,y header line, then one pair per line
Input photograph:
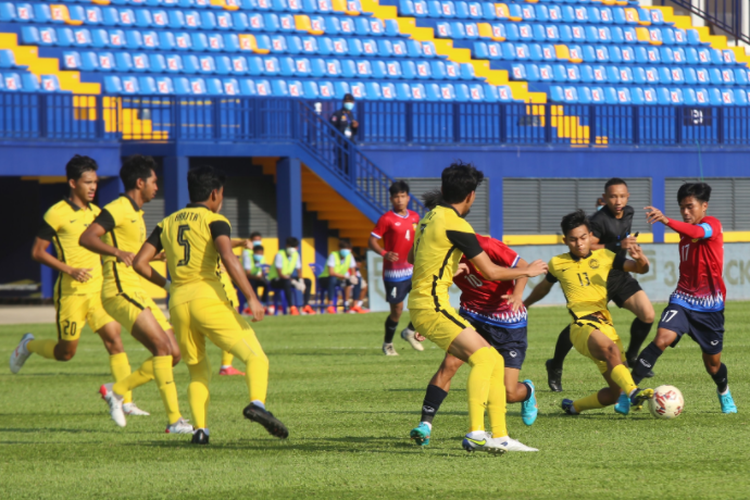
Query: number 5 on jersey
x,y
184,243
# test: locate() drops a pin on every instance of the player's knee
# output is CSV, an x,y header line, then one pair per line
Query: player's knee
x,y
65,354
648,316
662,342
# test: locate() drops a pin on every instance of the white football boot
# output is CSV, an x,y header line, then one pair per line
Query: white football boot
x,y
408,335
20,354
389,350
132,409
180,427
115,404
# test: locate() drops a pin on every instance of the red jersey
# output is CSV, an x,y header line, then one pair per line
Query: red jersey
x,y
701,286
397,233
481,300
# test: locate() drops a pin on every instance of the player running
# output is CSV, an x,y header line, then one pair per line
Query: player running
x,y
696,307
78,288
582,274
442,239
117,233
611,229
197,240
396,228
495,309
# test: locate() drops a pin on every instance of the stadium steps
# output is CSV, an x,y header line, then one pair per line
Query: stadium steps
x,y
28,56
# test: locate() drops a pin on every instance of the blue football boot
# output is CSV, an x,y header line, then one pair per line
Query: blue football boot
x,y
421,434
529,408
727,403
623,404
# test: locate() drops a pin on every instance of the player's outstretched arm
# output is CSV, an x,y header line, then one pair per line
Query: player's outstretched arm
x,y
494,272
142,265
91,240
39,254
690,230
232,265
538,293
639,264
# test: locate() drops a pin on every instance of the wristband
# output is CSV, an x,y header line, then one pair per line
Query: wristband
x,y
382,254
167,285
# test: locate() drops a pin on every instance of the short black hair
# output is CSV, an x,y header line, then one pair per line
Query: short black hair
x,y
292,241
202,181
345,243
136,167
432,198
255,234
574,220
78,165
258,247
398,187
615,181
348,97
698,190
459,180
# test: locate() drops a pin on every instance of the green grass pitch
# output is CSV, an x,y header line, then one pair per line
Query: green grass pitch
x,y
349,410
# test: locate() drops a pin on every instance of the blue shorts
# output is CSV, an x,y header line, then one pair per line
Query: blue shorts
x,y
511,343
706,328
396,291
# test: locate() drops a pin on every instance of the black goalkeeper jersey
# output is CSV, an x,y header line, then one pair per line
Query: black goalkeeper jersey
x,y
610,230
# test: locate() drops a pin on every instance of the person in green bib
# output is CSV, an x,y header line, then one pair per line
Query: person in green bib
x,y
340,269
286,275
254,263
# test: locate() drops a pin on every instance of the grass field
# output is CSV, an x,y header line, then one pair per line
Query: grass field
x,y
349,410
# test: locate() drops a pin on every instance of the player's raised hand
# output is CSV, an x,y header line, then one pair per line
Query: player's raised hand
x,y
536,268
81,274
391,256
126,257
635,252
654,215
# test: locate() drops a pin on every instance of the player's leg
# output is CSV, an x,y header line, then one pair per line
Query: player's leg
x,y
718,372
641,306
437,390
555,365
70,320
707,329
675,321
391,323
226,368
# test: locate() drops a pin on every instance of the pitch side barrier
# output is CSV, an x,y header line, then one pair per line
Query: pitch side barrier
x,y
658,284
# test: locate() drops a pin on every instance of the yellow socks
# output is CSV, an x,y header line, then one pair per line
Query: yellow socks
x,y
120,367
226,358
587,403
482,364
139,377
622,377
198,397
496,398
256,373
44,348
165,382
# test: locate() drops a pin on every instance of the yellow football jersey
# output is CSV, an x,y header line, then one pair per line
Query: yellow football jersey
x,y
63,225
584,280
226,280
125,229
442,238
187,236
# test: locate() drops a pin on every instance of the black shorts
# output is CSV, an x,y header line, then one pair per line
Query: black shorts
x,y
396,291
621,286
511,343
706,328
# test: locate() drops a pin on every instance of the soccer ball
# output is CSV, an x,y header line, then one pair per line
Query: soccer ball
x,y
667,402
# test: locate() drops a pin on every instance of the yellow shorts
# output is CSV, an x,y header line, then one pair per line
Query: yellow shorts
x,y
127,306
74,311
440,327
198,319
581,330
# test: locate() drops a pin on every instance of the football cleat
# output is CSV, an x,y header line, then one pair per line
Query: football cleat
x,y
483,443
567,405
510,444
421,434
408,335
200,436
389,350
20,354
180,427
230,371
529,408
554,377
308,310
115,404
639,396
265,418
727,403
623,404
132,409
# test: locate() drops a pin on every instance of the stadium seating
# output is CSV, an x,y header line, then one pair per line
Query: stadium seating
x,y
567,51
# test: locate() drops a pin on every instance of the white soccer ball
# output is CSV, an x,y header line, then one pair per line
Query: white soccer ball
x,y
667,402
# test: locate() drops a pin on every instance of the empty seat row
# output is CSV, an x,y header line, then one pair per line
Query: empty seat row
x,y
269,65
702,56
638,75
649,95
276,5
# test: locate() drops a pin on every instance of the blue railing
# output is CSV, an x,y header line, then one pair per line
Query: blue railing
x,y
727,15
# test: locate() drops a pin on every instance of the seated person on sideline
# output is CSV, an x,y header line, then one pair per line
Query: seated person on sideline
x,y
254,263
340,269
285,274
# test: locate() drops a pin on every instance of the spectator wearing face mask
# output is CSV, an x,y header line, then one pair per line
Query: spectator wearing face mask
x,y
340,270
343,121
286,275
254,263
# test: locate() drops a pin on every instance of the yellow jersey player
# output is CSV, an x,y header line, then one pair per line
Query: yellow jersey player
x,y
583,274
117,233
442,238
77,294
197,240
